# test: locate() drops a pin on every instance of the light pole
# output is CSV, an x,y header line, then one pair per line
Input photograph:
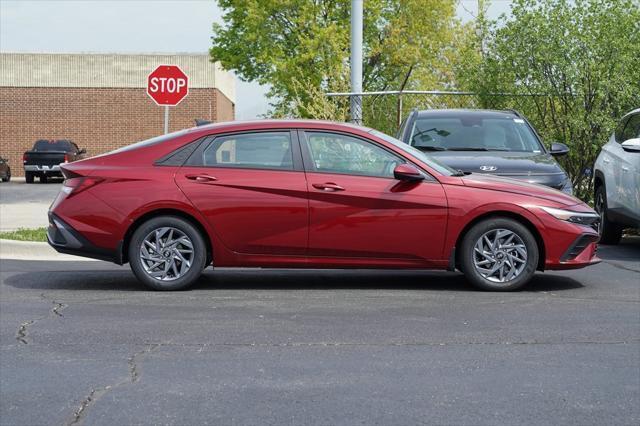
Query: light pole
x,y
356,61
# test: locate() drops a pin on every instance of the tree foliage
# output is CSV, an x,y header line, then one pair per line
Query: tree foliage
x,y
583,55
300,48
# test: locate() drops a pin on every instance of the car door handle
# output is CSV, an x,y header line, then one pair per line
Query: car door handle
x,y
328,186
201,178
606,160
625,169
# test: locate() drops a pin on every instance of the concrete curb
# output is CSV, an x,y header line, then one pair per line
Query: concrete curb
x,y
30,250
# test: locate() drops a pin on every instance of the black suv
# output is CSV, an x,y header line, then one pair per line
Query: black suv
x,y
502,143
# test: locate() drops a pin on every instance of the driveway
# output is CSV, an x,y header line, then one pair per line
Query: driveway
x,y
85,343
25,205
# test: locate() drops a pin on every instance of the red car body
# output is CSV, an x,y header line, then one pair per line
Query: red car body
x,y
300,218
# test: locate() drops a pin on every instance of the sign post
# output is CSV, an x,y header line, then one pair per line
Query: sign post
x,y
167,85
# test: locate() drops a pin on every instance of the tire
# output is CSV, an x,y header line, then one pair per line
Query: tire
x,y
43,179
167,227
7,178
28,177
519,258
610,232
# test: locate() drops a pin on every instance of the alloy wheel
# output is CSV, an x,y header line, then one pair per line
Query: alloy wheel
x,y
166,254
500,255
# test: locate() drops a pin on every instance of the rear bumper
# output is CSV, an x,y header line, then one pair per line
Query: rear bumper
x,y
64,239
42,169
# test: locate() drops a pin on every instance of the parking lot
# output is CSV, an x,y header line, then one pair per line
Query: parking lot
x,y
84,342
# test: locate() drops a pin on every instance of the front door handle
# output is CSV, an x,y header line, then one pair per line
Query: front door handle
x,y
202,178
328,186
625,169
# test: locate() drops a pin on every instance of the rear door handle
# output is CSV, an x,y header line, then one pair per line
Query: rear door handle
x,y
625,169
328,186
201,178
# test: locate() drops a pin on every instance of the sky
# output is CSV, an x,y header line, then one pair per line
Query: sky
x,y
125,26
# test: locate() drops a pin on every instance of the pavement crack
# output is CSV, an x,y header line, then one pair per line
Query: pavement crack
x,y
23,329
96,393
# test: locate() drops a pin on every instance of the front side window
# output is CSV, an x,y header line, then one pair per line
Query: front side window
x,y
261,150
473,132
335,153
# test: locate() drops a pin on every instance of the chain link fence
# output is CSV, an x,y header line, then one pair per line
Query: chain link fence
x,y
385,111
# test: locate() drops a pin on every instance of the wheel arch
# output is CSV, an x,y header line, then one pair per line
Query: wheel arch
x,y
509,215
124,246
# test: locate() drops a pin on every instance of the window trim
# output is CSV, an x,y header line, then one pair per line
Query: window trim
x,y
309,166
209,139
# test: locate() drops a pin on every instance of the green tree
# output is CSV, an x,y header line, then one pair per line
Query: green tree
x,y
584,55
300,48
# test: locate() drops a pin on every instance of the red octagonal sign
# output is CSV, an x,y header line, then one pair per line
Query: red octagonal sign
x,y
167,85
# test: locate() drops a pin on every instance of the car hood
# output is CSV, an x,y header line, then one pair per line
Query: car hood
x,y
503,184
503,163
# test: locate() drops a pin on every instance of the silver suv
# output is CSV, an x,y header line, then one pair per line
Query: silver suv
x,y
617,180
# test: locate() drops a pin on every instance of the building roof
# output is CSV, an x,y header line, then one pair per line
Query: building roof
x,y
108,70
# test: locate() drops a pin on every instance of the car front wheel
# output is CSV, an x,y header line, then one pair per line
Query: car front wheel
x,y
499,254
610,233
167,253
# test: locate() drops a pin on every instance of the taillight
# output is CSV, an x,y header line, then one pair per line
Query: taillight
x,y
76,185
66,158
24,158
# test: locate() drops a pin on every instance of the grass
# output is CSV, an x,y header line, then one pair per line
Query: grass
x,y
25,234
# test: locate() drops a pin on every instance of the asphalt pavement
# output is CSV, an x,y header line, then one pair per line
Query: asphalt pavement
x,y
25,205
85,343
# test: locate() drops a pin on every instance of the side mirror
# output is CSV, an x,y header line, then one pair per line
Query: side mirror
x,y
631,145
407,173
558,149
82,151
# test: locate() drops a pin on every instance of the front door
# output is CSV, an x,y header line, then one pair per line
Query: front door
x,y
252,190
359,211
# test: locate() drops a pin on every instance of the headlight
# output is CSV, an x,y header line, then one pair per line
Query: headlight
x,y
581,218
567,188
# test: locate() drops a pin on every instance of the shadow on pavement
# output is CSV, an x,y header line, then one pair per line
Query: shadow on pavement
x,y
279,279
628,249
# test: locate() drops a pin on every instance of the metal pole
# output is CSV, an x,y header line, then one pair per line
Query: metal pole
x,y
166,119
356,61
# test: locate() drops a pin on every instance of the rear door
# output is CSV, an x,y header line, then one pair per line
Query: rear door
x,y
358,211
252,190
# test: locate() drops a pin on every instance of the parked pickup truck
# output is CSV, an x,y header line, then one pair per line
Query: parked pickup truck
x,y
46,156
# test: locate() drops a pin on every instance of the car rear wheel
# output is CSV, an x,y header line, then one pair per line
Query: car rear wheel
x,y
610,232
499,254
7,178
28,177
167,253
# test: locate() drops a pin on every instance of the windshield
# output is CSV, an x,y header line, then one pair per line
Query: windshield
x,y
474,132
428,160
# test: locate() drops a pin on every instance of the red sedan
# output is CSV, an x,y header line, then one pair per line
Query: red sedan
x,y
309,194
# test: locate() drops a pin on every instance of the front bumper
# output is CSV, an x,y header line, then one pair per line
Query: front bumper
x,y
581,253
64,239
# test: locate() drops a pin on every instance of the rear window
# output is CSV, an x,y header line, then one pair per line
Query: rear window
x,y
52,145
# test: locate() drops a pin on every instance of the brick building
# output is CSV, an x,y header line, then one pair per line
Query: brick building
x,y
99,100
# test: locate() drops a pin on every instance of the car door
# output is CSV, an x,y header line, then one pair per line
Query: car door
x,y
621,165
251,188
630,169
357,210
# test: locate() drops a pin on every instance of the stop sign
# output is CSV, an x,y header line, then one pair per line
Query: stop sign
x,y
167,85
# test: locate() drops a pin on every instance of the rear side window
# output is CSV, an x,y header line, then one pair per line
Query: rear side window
x,y
52,145
632,128
259,150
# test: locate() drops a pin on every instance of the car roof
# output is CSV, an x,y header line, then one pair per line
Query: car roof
x,y
275,123
634,111
477,113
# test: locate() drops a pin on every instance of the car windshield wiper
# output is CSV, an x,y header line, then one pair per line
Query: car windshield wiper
x,y
470,148
430,148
